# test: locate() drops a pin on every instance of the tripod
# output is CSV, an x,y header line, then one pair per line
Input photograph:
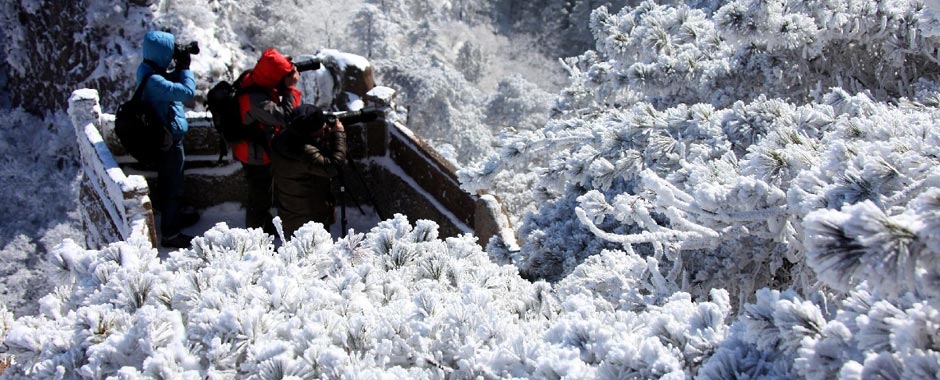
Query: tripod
x,y
344,196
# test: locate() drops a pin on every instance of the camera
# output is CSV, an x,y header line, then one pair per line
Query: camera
x,y
307,64
191,48
352,117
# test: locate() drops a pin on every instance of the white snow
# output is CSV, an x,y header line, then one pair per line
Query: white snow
x,y
343,59
385,94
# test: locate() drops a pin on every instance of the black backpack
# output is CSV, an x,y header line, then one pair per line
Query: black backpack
x,y
140,130
222,102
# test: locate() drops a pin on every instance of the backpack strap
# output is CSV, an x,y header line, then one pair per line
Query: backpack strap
x,y
241,90
139,92
140,88
241,78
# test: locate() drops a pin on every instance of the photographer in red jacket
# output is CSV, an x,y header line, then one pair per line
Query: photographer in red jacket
x,y
269,97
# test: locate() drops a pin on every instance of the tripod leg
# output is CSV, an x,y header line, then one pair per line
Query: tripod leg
x,y
342,182
342,208
368,190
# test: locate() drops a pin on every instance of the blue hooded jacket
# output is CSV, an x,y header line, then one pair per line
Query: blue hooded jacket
x,y
166,92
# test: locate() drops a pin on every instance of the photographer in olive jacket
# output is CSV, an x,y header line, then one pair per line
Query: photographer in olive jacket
x,y
166,92
304,160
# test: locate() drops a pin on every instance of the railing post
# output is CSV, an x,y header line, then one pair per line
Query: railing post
x,y
84,109
490,220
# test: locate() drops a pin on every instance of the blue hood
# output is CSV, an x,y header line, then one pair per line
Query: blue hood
x,y
158,47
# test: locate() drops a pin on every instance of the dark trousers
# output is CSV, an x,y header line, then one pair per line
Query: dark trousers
x,y
170,183
258,208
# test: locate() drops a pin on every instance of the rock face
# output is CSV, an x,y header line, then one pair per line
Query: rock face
x,y
56,46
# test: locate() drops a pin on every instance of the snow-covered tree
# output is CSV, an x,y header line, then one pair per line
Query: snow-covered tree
x,y
517,104
441,106
294,27
375,33
472,11
672,54
470,61
39,188
716,140
717,190
411,45
561,27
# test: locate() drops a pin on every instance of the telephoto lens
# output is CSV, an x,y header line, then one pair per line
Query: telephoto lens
x,y
307,64
191,48
352,117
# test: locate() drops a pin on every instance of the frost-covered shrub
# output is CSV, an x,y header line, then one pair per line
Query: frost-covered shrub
x,y
38,200
396,302
724,158
722,52
858,336
719,189
721,194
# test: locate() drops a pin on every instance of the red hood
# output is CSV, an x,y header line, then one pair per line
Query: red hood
x,y
270,69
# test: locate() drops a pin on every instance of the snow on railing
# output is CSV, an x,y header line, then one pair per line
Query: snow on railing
x,y
115,206
435,178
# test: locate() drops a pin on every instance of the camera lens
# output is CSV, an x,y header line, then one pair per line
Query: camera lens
x,y
191,48
306,65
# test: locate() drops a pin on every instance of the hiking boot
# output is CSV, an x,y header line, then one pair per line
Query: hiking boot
x,y
187,219
177,241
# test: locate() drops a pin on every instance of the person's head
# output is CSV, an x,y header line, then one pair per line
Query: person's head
x,y
306,119
271,69
158,48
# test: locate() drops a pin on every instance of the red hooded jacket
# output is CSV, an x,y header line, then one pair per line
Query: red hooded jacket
x,y
265,107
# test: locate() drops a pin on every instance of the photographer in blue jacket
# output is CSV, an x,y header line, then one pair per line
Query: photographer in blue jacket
x,y
165,92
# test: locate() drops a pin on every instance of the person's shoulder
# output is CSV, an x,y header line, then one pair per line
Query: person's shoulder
x,y
256,93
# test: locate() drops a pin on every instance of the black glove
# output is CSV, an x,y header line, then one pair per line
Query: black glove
x,y
182,61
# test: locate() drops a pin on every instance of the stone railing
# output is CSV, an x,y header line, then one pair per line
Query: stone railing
x,y
115,206
407,176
